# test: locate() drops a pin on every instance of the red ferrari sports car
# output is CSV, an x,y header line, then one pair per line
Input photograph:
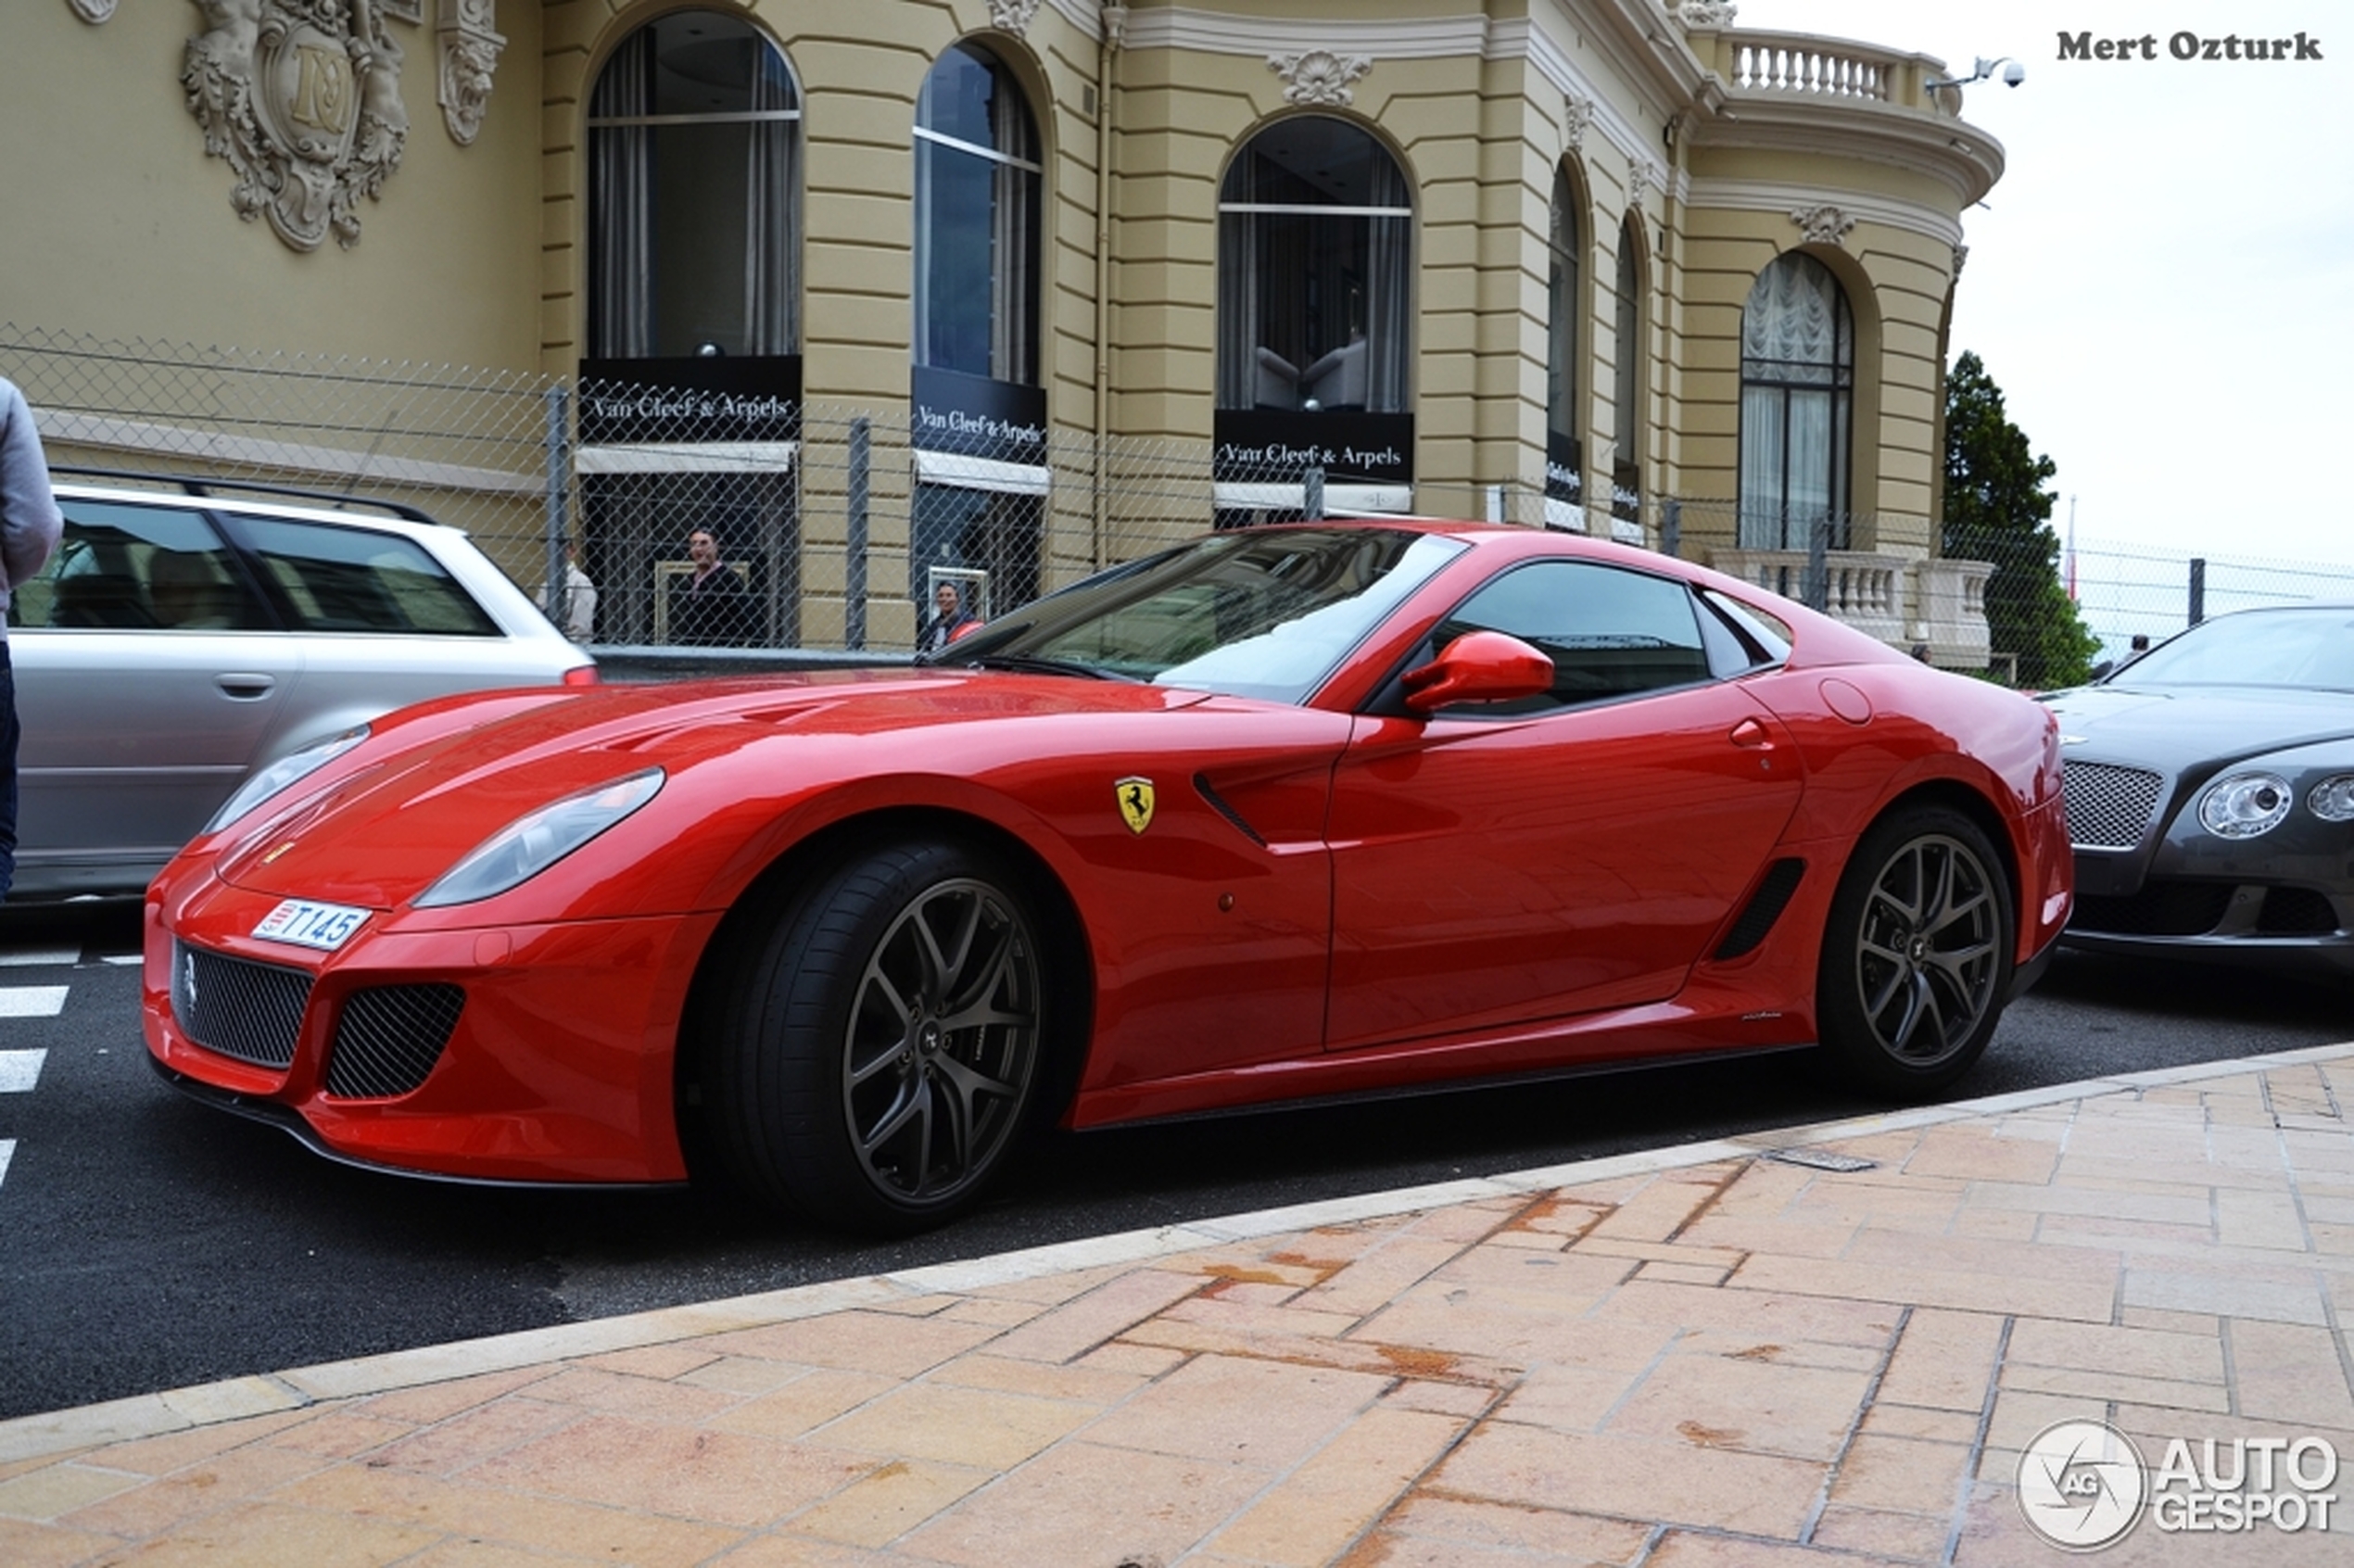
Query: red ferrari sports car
x,y
1280,815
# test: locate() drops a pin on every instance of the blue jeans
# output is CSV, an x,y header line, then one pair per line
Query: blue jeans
x,y
7,770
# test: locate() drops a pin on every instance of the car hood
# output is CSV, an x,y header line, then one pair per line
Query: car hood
x,y
412,806
2173,729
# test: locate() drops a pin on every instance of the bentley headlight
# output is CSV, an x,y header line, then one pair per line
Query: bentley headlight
x,y
2244,806
528,845
2333,799
286,771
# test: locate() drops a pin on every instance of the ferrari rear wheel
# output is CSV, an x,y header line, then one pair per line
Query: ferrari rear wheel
x,y
1916,958
884,1046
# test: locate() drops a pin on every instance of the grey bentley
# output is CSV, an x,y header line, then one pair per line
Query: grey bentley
x,y
2210,794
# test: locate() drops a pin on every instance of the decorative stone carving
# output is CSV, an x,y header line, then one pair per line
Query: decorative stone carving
x,y
410,11
1961,254
1012,16
93,11
470,46
1578,114
1705,16
1114,25
1821,225
1320,78
302,97
1643,174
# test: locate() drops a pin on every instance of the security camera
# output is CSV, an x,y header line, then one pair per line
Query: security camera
x,y
2013,74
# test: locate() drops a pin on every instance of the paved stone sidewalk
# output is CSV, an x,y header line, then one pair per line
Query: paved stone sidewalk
x,y
1707,1356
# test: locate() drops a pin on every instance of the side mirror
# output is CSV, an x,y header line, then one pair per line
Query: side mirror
x,y
1481,666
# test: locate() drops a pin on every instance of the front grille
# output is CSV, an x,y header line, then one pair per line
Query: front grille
x,y
2297,912
388,1037
2161,908
237,1007
2109,807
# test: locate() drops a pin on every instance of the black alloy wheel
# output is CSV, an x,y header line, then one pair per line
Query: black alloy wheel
x,y
1917,957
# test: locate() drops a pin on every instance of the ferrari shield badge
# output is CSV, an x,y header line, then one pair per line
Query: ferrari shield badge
x,y
1135,797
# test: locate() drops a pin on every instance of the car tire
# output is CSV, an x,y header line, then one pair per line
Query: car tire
x,y
882,1045
1917,954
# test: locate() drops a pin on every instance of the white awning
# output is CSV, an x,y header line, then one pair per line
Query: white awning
x,y
1231,496
982,473
688,457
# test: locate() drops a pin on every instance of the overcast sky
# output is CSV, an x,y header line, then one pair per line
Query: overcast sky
x,y
2162,283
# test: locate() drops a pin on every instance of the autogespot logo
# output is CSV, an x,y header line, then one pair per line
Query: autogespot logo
x,y
2081,1485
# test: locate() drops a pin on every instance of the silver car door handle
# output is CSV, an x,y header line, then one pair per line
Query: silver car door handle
x,y
245,687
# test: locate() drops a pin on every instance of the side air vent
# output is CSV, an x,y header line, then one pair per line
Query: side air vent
x,y
388,1037
1766,907
1225,808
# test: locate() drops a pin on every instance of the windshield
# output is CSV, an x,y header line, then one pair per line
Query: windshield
x,y
1256,613
2306,650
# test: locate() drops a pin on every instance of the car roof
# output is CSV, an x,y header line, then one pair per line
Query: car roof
x,y
416,526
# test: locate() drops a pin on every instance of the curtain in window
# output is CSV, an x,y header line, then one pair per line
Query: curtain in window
x,y
1797,376
772,262
1561,321
621,271
1238,317
1389,289
1013,338
1627,399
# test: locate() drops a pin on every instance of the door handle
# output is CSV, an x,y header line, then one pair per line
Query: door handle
x,y
1752,736
245,687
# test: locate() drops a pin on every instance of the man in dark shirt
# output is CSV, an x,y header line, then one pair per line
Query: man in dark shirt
x,y
712,608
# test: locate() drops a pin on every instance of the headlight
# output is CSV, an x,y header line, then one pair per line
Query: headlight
x,y
2333,799
282,773
2244,806
528,845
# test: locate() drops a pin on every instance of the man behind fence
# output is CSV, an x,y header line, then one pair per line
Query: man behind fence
x,y
712,608
30,525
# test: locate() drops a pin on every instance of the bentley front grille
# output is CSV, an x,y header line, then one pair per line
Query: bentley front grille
x,y
2109,807
237,1007
388,1037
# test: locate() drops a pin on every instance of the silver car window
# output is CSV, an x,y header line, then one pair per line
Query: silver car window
x,y
138,568
358,580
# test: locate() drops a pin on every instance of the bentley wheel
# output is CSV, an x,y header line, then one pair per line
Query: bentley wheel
x,y
884,1046
1916,959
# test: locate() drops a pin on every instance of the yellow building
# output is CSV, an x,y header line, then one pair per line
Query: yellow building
x,y
999,290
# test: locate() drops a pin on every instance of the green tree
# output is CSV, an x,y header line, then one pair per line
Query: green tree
x,y
1997,509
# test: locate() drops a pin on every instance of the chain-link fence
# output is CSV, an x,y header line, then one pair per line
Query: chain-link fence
x,y
825,527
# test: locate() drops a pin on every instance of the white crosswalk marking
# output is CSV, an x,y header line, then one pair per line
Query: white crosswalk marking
x,y
25,957
8,1147
20,1070
33,1001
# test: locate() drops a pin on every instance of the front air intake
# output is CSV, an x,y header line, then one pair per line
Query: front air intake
x,y
388,1037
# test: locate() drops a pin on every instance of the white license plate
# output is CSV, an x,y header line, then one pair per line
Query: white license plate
x,y
323,926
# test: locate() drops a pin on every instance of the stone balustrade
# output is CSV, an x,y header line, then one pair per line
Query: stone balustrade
x,y
1872,593
1783,63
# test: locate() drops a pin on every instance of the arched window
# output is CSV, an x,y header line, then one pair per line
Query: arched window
x,y
693,239
1315,275
978,185
1565,453
1626,393
1798,379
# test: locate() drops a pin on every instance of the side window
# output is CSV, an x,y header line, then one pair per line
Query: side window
x,y
1609,632
355,579
1740,638
138,568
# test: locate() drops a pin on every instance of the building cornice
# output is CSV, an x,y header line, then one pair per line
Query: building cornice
x,y
1954,151
1784,199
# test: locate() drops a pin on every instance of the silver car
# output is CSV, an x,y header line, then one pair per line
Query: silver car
x,y
179,641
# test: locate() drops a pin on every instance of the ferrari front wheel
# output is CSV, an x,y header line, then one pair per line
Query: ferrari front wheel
x,y
1917,957
883,1045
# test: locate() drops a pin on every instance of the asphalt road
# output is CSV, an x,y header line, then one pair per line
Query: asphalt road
x,y
150,1243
